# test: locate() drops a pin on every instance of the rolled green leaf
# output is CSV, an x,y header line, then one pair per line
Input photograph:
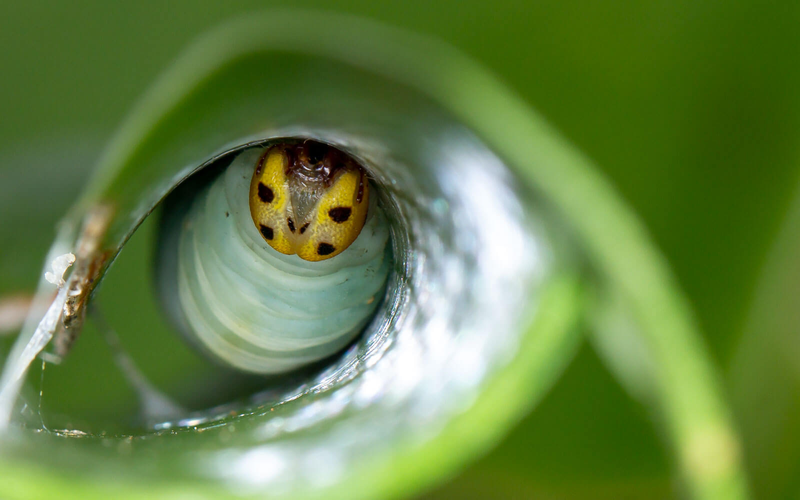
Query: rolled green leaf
x,y
417,111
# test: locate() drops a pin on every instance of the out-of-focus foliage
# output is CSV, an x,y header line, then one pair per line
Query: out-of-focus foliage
x,y
691,108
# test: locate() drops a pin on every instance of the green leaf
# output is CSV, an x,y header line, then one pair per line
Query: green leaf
x,y
229,89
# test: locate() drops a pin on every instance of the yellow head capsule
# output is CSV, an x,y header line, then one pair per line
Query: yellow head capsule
x,y
308,199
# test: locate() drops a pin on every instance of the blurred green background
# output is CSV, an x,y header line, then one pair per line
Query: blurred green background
x,y
690,108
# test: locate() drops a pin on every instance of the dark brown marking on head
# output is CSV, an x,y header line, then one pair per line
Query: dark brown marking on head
x,y
290,223
291,158
360,194
315,151
266,231
305,226
325,249
340,214
227,214
260,164
315,162
265,194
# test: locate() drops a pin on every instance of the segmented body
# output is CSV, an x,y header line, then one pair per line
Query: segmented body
x,y
249,305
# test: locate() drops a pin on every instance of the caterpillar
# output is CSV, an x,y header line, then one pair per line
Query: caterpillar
x,y
255,285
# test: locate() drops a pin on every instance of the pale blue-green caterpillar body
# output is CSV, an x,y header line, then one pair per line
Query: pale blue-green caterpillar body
x,y
252,308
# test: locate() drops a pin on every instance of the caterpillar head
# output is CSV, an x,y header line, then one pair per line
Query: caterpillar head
x,y
308,199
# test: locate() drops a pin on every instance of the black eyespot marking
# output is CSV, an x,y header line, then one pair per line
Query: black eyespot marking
x,y
325,249
265,194
340,214
290,223
266,231
305,226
